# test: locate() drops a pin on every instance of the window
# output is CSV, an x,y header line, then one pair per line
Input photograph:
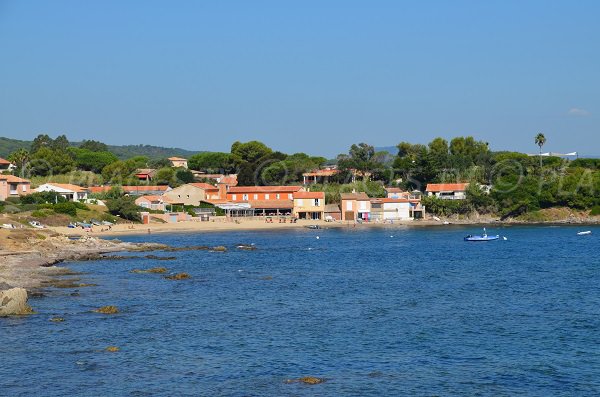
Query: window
x,y
300,203
256,197
348,205
24,188
234,197
290,196
363,205
245,197
316,202
267,196
277,196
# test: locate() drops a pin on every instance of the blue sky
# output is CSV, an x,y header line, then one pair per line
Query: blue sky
x,y
313,76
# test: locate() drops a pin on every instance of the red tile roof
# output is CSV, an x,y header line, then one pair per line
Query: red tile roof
x,y
264,189
229,180
142,188
4,162
176,159
309,195
446,187
13,179
205,186
354,196
68,186
321,173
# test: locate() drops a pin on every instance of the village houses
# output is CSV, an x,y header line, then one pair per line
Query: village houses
x,y
66,190
12,186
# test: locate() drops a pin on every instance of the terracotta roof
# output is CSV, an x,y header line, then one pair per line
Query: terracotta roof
x,y
446,187
394,200
5,162
354,196
151,198
205,186
176,159
321,173
394,190
272,204
13,179
229,180
68,186
143,188
264,189
309,195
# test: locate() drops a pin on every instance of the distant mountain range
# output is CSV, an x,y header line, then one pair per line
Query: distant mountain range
x,y
8,145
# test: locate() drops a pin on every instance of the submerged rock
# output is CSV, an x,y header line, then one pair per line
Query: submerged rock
x,y
13,302
161,258
57,319
308,380
152,270
188,248
178,276
107,310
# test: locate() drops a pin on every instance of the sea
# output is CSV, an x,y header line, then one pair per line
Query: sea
x,y
371,311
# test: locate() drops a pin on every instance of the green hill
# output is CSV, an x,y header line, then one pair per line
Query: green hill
x,y
8,145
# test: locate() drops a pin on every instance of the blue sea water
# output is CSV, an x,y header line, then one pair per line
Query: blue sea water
x,y
380,312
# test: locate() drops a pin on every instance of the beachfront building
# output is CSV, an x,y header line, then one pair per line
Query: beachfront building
x,y
392,209
333,212
158,203
355,206
12,186
133,190
178,162
193,194
447,191
66,190
265,200
309,205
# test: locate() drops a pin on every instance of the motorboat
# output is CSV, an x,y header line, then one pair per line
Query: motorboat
x,y
585,233
481,238
36,225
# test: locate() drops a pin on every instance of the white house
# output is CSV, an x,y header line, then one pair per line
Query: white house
x,y
68,191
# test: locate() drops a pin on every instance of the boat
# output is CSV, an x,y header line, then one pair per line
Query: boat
x,y
36,224
481,238
585,233
313,227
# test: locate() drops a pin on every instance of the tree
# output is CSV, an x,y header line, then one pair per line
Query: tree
x,y
19,158
212,162
250,152
60,143
40,141
184,176
94,146
540,140
361,158
46,161
92,160
165,176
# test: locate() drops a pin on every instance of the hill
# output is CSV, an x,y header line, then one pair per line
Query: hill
x,y
8,145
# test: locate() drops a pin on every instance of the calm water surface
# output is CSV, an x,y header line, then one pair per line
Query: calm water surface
x,y
383,312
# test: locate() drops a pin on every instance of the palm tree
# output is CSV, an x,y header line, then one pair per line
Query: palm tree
x,y
540,140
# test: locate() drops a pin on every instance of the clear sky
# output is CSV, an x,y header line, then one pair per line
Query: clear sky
x,y
313,76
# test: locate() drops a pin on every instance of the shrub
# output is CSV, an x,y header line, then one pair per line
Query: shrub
x,y
43,198
69,208
42,213
124,207
595,210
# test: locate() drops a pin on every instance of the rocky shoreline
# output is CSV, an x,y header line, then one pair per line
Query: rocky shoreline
x,y
28,260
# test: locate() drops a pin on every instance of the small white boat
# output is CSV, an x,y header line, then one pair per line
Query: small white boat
x,y
37,225
585,233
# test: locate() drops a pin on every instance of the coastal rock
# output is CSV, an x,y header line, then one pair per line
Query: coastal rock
x,y
14,302
178,276
219,248
161,258
153,270
308,380
246,247
57,319
188,248
107,310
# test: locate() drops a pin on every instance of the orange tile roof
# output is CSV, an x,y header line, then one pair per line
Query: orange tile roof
x,y
321,173
229,180
176,159
5,162
142,188
264,189
309,195
205,186
446,187
13,179
394,190
68,186
354,196
394,200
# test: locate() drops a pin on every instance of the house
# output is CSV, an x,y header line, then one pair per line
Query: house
x,y
133,190
396,209
12,186
319,176
145,174
447,191
265,200
333,212
152,202
178,162
309,205
397,193
66,190
6,165
192,194
355,206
